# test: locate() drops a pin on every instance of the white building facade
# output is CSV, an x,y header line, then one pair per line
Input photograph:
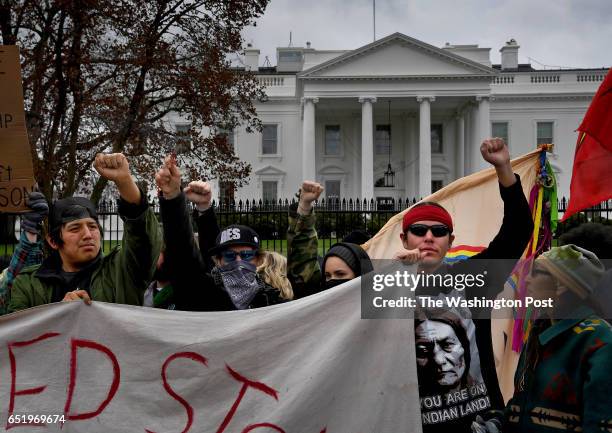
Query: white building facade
x,y
343,117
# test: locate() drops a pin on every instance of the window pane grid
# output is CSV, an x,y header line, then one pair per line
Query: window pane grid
x,y
332,139
382,138
436,138
229,135
544,132
183,139
332,189
500,129
269,190
269,140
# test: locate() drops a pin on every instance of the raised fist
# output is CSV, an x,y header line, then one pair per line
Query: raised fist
x,y
168,178
113,166
310,191
495,151
200,194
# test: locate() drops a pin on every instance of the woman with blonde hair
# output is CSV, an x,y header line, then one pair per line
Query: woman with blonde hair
x,y
272,269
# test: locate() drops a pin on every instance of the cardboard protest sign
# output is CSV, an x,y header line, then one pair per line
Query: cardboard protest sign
x,y
308,366
16,173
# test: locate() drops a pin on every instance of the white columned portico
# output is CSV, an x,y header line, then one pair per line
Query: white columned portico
x,y
460,155
425,145
308,139
409,155
472,148
483,131
367,147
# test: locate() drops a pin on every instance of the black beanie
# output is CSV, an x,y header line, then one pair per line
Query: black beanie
x,y
353,255
70,209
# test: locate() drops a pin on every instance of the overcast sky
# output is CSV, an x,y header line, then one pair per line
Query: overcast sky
x,y
566,33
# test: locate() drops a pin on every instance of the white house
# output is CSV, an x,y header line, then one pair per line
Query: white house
x,y
342,117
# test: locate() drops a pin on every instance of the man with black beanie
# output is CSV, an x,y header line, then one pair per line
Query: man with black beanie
x,y
77,269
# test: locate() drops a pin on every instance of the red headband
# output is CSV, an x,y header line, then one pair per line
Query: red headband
x,y
427,212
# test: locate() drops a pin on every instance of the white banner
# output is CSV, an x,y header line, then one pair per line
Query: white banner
x,y
308,366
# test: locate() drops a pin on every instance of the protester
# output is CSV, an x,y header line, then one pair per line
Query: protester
x,y
273,271
343,261
271,266
303,243
76,268
595,237
233,283
563,381
358,237
427,235
28,251
160,293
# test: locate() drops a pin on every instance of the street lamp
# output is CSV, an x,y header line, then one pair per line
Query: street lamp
x,y
389,174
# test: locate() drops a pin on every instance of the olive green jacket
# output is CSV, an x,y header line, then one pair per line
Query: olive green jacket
x,y
121,276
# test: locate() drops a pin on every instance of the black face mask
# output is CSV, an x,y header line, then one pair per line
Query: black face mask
x,y
335,282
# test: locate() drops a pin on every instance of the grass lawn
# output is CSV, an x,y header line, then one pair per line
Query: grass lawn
x,y
280,246
267,244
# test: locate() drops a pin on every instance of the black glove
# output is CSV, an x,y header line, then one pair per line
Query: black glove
x,y
32,221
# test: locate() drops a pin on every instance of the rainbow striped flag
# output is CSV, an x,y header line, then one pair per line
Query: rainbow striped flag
x,y
461,252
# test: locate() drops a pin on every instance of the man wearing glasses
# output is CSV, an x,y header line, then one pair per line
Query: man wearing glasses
x,y
427,235
232,281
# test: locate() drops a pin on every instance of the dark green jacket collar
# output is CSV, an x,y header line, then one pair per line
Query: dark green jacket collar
x,y
561,326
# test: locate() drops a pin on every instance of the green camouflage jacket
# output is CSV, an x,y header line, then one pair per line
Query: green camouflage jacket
x,y
563,379
303,268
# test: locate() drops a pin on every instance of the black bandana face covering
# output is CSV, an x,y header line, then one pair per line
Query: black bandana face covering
x,y
335,282
240,281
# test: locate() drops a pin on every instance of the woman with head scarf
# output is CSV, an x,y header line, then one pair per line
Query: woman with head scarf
x,y
563,380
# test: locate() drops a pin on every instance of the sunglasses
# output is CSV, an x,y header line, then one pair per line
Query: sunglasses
x,y
246,255
536,271
438,230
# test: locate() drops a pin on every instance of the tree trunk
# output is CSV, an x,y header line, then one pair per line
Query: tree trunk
x,y
7,228
96,194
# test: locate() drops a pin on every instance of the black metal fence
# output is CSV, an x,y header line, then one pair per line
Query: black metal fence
x,y
335,220
601,213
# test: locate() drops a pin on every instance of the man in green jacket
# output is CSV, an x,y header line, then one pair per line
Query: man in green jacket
x,y
77,269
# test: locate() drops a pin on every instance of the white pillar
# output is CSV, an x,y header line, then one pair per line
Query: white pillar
x,y
460,154
356,152
309,156
367,147
483,131
415,158
473,145
425,145
409,155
